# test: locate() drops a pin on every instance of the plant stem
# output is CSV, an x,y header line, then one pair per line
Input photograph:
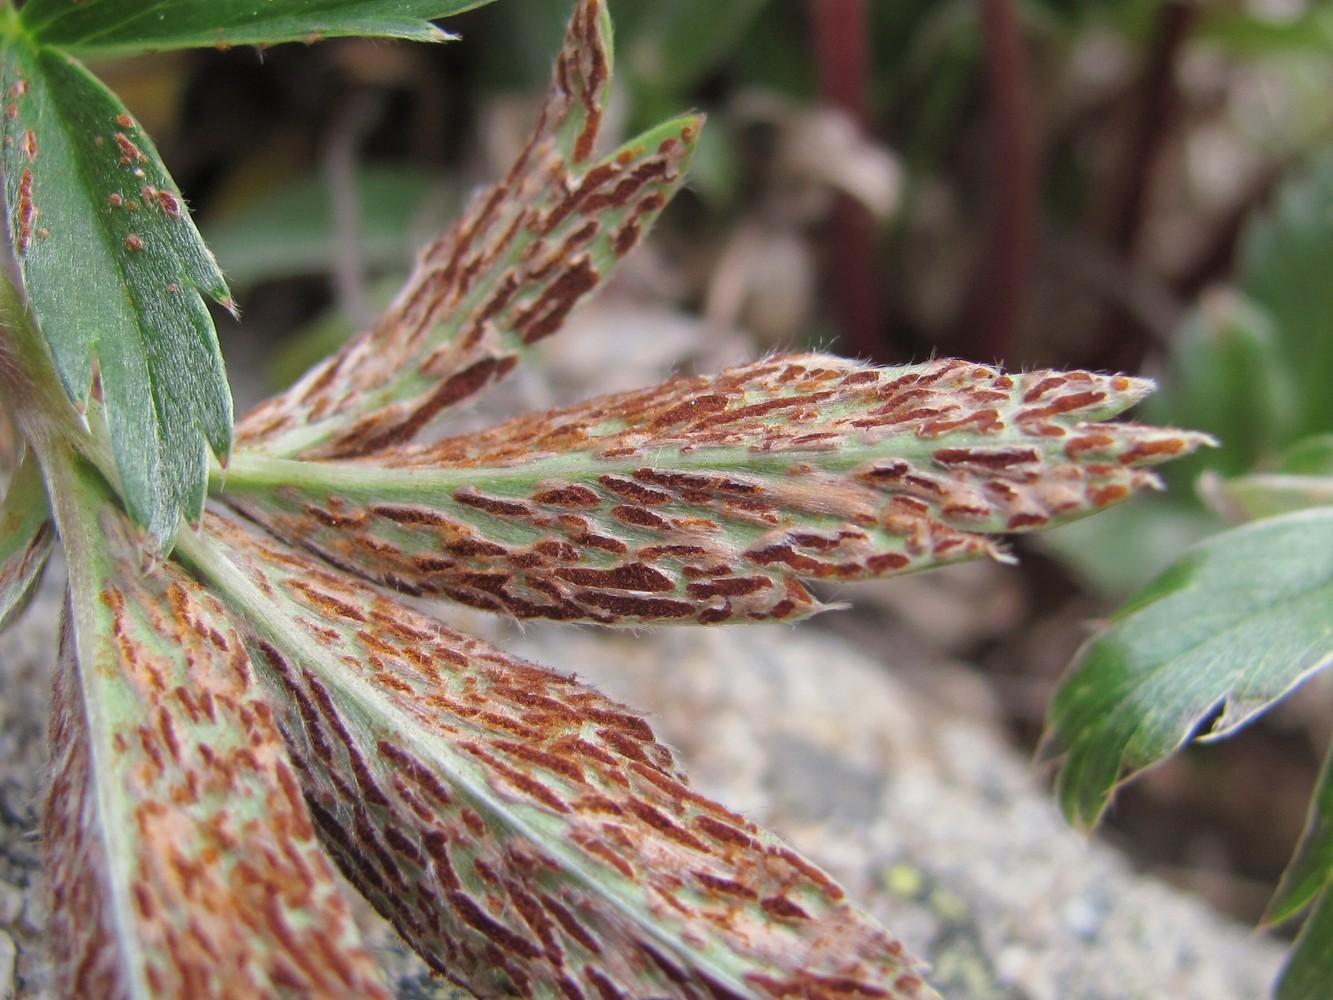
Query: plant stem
x,y
841,33
997,311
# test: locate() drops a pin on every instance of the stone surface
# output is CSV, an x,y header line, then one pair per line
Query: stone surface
x,y
931,821
27,658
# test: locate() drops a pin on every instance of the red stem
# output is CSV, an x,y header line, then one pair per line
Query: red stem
x,y
1125,343
999,303
841,30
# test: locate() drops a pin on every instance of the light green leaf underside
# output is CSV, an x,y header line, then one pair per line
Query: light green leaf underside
x,y
26,536
114,269
1270,494
1301,478
181,853
524,833
710,499
504,277
122,27
1234,625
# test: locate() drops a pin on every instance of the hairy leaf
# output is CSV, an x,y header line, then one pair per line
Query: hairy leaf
x,y
26,537
113,268
121,27
181,856
523,832
504,277
710,499
1234,625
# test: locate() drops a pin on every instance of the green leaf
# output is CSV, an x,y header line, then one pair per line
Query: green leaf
x,y
1309,967
710,499
181,855
1310,872
26,536
1284,266
123,27
1312,456
503,278
113,268
523,832
1233,626
1249,35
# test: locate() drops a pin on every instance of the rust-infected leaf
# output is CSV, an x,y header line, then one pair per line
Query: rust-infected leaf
x,y
183,861
526,834
711,499
505,276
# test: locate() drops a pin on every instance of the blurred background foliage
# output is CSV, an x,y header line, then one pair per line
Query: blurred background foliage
x,y
1137,185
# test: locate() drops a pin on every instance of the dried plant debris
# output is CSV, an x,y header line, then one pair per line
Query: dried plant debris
x,y
229,719
711,499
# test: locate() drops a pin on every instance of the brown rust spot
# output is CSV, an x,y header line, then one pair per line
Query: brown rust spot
x,y
735,586
569,495
529,786
783,908
169,204
25,211
603,542
545,316
624,239
831,889
571,925
411,516
1151,449
508,940
1101,496
887,562
629,490
986,458
129,152
629,606
370,436
632,576
639,518
469,496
